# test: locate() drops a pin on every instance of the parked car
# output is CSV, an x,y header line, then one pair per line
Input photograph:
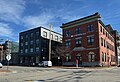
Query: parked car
x,y
1,65
41,64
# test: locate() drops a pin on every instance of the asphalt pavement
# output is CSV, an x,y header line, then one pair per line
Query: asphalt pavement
x,y
60,74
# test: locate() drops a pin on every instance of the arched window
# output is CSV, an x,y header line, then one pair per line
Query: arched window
x,y
91,56
103,57
68,57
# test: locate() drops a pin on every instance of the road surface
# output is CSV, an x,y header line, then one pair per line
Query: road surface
x,y
38,74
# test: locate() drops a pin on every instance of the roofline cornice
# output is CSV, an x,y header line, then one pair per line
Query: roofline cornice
x,y
85,19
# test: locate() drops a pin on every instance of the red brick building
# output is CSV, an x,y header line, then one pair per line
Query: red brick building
x,y
89,41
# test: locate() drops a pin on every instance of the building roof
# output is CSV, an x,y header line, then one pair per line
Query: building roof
x,y
95,15
39,28
107,27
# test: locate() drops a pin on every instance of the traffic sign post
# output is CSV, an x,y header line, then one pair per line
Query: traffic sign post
x,y
8,57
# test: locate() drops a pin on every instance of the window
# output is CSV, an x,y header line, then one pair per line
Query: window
x,y
101,29
90,40
26,36
26,43
26,50
101,41
68,43
31,35
90,28
37,33
91,57
107,45
31,49
37,41
68,58
21,51
60,39
21,44
106,34
67,33
31,42
104,43
78,42
21,37
103,57
37,49
78,30
44,34
56,37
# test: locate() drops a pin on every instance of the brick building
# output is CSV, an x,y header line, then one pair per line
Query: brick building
x,y
89,41
1,53
9,48
12,49
117,46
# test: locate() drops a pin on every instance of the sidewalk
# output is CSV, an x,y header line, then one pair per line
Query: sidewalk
x,y
86,68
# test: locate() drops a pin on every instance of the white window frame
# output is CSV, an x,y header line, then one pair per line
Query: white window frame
x,y
31,49
44,34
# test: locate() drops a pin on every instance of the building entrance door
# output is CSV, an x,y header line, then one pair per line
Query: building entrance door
x,y
79,58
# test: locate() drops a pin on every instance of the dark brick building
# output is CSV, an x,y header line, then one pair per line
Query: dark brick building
x,y
89,41
34,45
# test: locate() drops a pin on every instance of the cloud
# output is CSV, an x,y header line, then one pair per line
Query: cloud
x,y
55,16
5,30
39,20
11,11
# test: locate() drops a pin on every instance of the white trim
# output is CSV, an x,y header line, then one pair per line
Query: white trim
x,y
68,40
90,35
78,38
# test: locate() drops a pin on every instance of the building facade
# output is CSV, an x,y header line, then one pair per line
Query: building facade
x,y
11,48
89,41
2,52
117,46
34,45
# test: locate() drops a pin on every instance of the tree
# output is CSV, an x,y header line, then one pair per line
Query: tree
x,y
60,50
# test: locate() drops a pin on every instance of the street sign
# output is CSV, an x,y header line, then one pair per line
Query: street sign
x,y
8,57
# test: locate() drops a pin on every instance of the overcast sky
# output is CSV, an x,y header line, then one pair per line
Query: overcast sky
x,y
20,15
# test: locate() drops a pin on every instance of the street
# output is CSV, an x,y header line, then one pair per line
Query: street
x,y
39,74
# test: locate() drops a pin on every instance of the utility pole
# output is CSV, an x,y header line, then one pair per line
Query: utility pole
x,y
50,63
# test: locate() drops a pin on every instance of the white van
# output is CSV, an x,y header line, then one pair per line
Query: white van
x,y
1,65
46,63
